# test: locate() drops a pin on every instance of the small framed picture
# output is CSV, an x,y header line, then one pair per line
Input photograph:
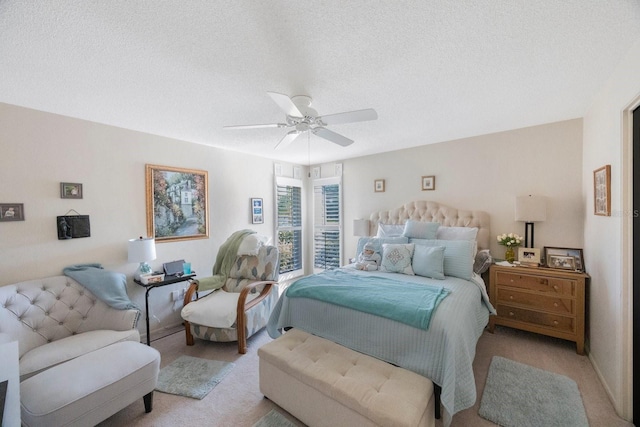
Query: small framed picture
x,y
529,256
257,212
11,212
428,182
378,185
575,253
602,191
561,262
70,190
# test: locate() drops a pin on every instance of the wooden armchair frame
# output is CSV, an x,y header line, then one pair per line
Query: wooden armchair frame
x,y
242,308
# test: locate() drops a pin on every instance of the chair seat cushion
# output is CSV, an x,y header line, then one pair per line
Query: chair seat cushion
x,y
90,388
59,351
216,310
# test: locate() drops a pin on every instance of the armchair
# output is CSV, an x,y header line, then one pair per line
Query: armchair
x,y
241,307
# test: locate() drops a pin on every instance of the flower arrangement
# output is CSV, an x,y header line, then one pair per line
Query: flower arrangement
x,y
510,240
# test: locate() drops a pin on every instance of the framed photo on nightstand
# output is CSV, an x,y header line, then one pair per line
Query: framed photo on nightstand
x,y
529,257
556,258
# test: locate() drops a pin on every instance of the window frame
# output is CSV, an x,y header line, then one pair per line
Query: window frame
x,y
290,182
323,227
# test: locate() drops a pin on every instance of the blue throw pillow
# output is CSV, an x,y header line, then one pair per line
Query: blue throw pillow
x,y
420,230
428,261
458,256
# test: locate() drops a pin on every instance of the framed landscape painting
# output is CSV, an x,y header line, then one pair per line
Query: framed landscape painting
x,y
177,203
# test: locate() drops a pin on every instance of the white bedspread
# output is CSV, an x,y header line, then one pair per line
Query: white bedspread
x,y
444,353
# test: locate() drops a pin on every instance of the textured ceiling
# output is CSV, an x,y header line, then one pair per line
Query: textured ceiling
x,y
433,70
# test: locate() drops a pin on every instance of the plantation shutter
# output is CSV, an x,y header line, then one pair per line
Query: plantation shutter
x,y
289,224
327,208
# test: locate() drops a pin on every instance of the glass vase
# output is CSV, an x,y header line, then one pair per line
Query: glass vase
x,y
510,254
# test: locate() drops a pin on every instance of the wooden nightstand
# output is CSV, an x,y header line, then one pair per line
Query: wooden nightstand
x,y
541,300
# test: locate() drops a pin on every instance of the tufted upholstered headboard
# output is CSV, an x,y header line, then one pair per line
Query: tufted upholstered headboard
x,y
426,211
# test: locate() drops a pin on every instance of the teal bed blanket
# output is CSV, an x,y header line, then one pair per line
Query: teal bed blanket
x,y
410,303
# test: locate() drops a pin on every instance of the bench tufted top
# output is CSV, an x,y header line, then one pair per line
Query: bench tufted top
x,y
38,312
428,211
381,392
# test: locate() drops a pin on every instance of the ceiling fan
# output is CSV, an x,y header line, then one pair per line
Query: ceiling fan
x,y
303,118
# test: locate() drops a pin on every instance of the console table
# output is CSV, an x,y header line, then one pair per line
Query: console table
x,y
168,280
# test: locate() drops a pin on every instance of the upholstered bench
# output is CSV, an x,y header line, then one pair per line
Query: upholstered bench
x,y
86,390
325,384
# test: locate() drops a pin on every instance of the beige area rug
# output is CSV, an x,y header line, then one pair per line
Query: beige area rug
x,y
192,376
519,395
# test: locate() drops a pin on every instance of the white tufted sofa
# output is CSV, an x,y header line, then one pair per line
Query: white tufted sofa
x,y
81,361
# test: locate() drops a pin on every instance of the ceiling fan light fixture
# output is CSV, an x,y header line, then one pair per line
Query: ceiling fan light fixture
x,y
303,118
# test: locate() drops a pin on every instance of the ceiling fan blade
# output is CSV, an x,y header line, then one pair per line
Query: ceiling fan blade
x,y
268,125
349,117
287,139
332,136
286,104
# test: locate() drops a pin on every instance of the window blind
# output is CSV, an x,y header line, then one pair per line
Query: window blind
x,y
289,225
326,222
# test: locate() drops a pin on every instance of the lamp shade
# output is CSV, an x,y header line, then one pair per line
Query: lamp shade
x,y
142,249
360,227
531,208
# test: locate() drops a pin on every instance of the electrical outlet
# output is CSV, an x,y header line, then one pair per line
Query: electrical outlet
x,y
175,295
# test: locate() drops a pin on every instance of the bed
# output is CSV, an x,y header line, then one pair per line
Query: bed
x,y
444,351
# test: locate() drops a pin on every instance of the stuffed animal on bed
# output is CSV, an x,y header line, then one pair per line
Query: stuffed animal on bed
x,y
368,259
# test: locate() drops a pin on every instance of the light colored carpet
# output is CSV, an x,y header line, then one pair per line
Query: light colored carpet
x,y
192,376
274,419
238,402
519,395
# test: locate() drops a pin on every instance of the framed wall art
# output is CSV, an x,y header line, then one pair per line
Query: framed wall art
x,y
428,182
257,212
378,185
575,253
70,190
602,191
11,212
177,203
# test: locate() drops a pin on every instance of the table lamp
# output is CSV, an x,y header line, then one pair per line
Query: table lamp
x,y
360,227
142,250
530,209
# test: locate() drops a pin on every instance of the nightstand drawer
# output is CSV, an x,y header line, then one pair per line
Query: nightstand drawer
x,y
549,285
560,323
536,301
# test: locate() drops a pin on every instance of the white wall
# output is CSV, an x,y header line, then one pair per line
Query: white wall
x,y
607,251
40,150
480,173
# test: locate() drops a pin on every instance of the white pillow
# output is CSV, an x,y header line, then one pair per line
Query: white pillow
x,y
390,230
428,261
420,230
457,233
396,258
251,243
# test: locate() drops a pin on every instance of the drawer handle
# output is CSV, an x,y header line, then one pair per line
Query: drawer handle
x,y
510,296
511,313
555,304
555,287
555,322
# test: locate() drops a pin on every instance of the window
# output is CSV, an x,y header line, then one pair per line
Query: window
x,y
289,225
327,209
